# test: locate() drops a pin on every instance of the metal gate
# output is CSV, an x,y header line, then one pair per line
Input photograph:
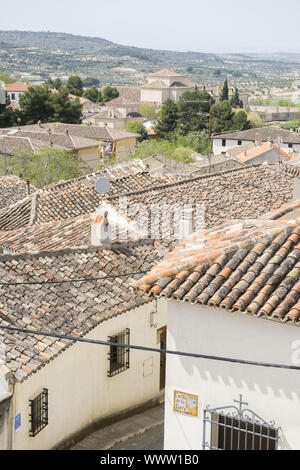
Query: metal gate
x,y
235,428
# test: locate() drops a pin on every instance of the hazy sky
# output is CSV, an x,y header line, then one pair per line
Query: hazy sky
x,y
206,26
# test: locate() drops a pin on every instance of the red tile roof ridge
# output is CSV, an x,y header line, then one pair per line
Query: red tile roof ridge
x,y
195,249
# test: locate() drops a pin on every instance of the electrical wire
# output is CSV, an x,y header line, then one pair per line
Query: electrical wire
x,y
154,350
66,281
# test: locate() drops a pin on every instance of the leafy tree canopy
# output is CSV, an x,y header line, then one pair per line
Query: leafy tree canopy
x,y
193,110
168,119
74,85
93,94
40,104
48,166
109,93
138,128
149,110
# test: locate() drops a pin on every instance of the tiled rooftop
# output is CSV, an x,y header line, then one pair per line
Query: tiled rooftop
x,y
12,189
240,193
263,134
69,308
252,266
76,197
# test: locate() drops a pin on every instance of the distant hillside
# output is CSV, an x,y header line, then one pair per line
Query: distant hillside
x,y
47,53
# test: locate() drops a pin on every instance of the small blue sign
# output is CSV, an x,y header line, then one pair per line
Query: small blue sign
x,y
17,422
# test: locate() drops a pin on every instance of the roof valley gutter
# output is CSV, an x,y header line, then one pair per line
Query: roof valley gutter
x,y
155,350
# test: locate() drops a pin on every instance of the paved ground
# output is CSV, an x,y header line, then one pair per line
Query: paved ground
x,y
142,431
149,440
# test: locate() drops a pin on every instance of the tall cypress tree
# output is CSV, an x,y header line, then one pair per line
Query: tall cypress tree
x,y
225,91
235,100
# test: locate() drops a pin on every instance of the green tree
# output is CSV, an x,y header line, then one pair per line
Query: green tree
x,y
7,114
65,109
138,128
90,81
109,93
39,103
149,110
235,100
93,94
225,91
193,109
48,166
74,85
222,116
36,105
168,119
240,121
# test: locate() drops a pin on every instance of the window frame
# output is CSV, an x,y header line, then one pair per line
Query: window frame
x,y
119,357
39,413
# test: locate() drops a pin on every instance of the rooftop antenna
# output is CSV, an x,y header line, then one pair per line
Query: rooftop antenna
x,y
102,185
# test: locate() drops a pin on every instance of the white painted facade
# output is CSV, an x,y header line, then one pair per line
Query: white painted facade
x,y
15,95
223,145
274,394
80,393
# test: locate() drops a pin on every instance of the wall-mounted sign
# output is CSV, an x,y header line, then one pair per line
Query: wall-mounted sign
x,y
185,403
17,422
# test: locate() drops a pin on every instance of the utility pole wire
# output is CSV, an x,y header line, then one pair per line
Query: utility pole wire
x,y
155,350
65,281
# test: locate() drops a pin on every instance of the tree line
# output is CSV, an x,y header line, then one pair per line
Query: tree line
x,y
51,102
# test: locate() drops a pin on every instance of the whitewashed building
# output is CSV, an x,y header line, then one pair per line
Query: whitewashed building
x,y
163,85
288,141
233,296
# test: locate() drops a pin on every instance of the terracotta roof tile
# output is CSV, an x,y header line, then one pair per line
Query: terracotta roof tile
x,y
261,280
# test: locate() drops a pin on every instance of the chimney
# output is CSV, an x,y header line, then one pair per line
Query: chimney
x,y
186,225
28,187
100,228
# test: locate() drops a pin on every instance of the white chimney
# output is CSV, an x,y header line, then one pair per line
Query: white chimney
x,y
100,229
186,226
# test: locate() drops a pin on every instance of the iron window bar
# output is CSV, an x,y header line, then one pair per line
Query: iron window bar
x,y
118,356
233,428
39,413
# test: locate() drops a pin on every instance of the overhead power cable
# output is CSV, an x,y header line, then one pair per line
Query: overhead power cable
x,y
154,350
66,281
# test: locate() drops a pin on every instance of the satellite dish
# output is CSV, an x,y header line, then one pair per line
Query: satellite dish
x,y
102,186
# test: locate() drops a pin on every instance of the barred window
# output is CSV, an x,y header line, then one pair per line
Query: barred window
x,y
119,356
39,413
235,428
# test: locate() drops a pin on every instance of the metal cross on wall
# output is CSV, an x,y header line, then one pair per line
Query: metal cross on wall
x,y
241,403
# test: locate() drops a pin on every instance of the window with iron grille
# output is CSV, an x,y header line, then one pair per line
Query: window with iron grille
x,y
232,428
39,413
119,356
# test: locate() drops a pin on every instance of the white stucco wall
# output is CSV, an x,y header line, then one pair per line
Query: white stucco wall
x,y
273,394
219,148
80,392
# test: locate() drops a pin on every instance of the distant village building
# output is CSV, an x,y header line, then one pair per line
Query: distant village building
x,y
262,153
216,93
288,141
15,90
276,113
116,114
90,143
163,85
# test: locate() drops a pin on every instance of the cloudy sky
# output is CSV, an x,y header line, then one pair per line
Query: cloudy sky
x,y
198,25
